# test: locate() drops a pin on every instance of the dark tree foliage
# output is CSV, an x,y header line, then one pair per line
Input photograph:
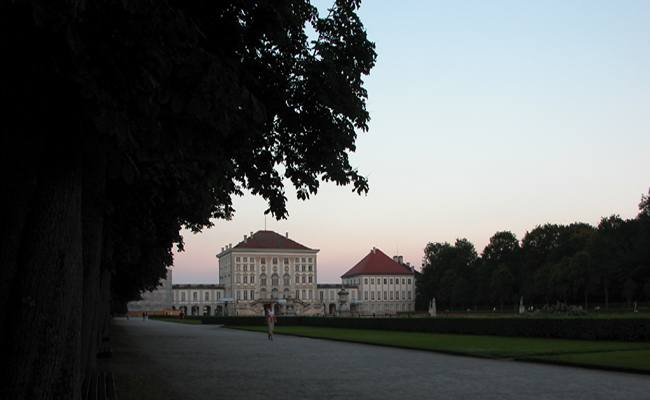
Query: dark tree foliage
x,y
129,120
576,263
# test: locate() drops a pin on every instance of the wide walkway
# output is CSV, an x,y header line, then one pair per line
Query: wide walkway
x,y
209,362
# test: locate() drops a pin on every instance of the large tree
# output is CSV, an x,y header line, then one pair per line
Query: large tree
x,y
131,119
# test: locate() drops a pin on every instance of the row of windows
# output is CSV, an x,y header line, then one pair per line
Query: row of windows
x,y
250,295
387,295
274,279
274,260
303,268
387,281
195,296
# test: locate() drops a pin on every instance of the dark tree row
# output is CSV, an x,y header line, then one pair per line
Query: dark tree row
x,y
574,264
127,120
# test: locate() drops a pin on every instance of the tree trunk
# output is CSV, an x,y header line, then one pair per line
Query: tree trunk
x,y
41,257
93,224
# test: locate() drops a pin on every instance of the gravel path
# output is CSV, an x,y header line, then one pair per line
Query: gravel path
x,y
160,360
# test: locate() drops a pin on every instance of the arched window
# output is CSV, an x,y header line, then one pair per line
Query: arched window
x,y
274,294
275,260
263,294
274,280
263,280
287,280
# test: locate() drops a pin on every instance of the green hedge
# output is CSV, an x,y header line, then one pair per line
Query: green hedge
x,y
581,328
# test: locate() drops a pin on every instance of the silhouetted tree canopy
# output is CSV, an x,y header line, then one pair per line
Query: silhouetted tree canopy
x,y
129,120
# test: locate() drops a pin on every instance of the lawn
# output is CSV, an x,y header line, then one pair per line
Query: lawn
x,y
621,356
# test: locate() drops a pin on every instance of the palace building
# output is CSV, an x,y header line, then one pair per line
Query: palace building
x,y
386,284
267,267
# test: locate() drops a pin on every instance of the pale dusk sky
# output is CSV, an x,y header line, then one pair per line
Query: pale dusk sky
x,y
486,116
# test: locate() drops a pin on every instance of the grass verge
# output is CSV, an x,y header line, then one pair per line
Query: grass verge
x,y
619,356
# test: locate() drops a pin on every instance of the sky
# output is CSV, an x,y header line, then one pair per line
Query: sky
x,y
485,117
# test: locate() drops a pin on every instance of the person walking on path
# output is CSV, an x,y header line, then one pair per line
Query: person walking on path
x,y
270,320
181,316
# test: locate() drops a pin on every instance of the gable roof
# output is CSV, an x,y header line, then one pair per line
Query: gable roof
x,y
270,240
378,263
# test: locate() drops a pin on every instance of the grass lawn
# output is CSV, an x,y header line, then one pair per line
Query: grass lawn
x,y
623,356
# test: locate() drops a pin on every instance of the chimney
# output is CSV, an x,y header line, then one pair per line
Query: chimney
x,y
230,246
287,235
373,250
401,260
245,239
408,264
251,234
395,258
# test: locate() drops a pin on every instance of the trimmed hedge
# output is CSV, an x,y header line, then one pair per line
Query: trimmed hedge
x,y
581,328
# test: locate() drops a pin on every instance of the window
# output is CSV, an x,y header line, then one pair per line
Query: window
x,y
194,296
245,278
402,281
297,294
238,267
274,280
391,280
245,294
385,295
287,280
245,267
331,295
263,280
207,296
252,267
372,281
238,279
303,294
310,279
372,295
309,259
303,268
385,281
403,295
252,295
238,297
310,267
409,295
263,261
237,259
252,278
365,281
182,296
303,260
391,295
275,260
296,267
321,296
303,279
297,279
286,261
246,259
365,295
409,281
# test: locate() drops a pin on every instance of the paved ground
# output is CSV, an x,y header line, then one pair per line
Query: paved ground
x,y
173,361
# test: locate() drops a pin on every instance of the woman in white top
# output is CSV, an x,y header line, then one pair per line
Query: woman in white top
x,y
270,320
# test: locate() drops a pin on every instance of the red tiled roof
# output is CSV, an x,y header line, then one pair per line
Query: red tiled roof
x,y
376,262
269,240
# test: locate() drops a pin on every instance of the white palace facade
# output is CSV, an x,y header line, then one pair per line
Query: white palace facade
x,y
269,267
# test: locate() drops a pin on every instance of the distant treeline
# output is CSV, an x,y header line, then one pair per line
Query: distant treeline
x,y
574,264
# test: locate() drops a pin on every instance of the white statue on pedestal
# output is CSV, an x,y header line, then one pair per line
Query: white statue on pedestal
x,y
522,309
432,307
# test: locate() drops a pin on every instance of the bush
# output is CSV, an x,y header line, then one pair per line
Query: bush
x,y
582,328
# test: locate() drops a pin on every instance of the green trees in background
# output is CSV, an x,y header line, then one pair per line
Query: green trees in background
x,y
575,263
126,121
